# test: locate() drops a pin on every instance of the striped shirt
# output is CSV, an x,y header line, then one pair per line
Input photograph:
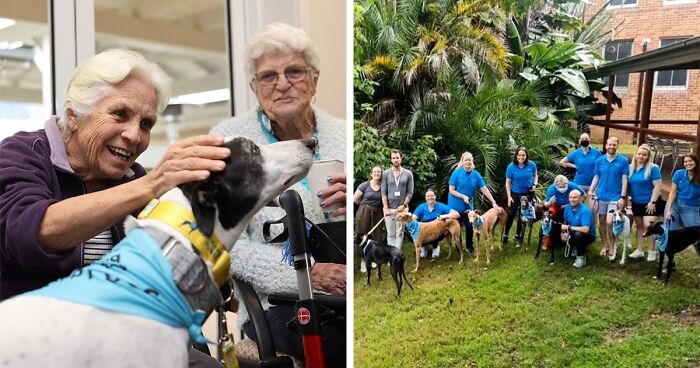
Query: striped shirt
x,y
96,247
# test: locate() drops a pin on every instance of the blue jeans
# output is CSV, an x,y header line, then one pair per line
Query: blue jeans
x,y
684,216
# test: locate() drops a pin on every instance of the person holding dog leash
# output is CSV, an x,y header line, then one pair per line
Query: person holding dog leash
x,y
464,181
683,209
557,199
521,180
369,197
433,210
645,191
579,225
283,69
65,189
609,190
397,191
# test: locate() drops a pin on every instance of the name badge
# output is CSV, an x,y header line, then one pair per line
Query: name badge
x,y
397,194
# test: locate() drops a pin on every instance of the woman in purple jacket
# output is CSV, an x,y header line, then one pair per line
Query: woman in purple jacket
x,y
65,189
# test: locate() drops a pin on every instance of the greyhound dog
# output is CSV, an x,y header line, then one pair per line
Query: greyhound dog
x,y
374,251
530,212
484,226
672,243
620,229
425,232
49,328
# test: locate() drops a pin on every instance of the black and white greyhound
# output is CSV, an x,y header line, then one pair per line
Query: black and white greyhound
x,y
40,330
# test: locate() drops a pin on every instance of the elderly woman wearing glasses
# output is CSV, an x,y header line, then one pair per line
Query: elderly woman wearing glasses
x,y
284,69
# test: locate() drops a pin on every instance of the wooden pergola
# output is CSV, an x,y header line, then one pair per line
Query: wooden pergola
x,y
682,55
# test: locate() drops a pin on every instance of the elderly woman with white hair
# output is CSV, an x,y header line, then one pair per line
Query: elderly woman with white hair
x,y
556,198
65,189
283,70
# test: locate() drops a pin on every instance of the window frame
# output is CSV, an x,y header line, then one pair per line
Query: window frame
x,y
687,71
625,6
679,2
631,41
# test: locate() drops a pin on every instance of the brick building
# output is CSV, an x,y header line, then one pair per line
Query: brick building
x,y
649,25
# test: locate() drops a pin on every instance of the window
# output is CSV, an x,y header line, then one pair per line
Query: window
x,y
616,50
672,79
622,3
678,2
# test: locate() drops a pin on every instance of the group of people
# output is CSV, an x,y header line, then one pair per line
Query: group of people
x,y
607,180
66,189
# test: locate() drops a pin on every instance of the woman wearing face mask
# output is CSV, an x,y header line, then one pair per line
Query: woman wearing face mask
x,y
583,161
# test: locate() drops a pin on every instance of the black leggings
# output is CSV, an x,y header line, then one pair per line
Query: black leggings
x,y
513,210
580,241
468,231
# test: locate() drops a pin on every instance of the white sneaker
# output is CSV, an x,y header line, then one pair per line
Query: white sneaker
x,y
637,254
436,252
423,253
651,257
580,262
363,267
374,265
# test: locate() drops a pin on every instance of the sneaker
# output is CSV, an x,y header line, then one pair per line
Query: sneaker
x,y
423,252
580,262
374,265
651,257
436,252
638,254
363,267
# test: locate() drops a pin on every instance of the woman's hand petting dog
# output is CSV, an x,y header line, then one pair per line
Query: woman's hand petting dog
x,y
328,277
335,193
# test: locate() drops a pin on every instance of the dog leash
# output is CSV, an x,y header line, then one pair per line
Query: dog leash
x,y
364,238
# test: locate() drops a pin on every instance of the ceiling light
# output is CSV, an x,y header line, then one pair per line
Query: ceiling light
x,y
4,23
201,98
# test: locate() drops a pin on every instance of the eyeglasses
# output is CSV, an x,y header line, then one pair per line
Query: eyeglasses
x,y
293,74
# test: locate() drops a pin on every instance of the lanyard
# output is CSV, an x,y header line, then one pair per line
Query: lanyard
x,y
397,179
266,126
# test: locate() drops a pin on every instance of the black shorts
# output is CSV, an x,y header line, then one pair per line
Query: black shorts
x,y
639,210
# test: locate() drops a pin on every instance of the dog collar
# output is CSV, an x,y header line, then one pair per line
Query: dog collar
x,y
479,221
618,226
182,219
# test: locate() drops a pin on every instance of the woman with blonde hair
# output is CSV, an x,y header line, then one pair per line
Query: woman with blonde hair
x,y
464,181
644,190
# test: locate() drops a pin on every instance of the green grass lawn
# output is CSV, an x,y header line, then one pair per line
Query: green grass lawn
x,y
522,312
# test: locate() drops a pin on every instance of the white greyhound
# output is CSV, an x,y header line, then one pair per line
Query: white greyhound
x,y
53,327
620,229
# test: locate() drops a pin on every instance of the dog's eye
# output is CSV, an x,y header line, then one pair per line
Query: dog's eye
x,y
255,150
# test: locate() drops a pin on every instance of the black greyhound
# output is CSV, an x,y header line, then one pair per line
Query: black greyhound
x,y
373,251
678,240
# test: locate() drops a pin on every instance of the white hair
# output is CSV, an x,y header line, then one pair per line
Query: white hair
x,y
561,179
97,75
282,38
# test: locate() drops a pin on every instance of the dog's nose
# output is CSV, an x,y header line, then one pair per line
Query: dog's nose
x,y
311,143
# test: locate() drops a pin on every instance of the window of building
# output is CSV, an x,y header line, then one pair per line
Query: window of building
x,y
616,50
678,2
672,79
622,3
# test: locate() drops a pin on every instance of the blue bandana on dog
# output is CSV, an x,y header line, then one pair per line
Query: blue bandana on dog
x,y
662,241
547,228
618,226
135,279
413,228
528,213
479,221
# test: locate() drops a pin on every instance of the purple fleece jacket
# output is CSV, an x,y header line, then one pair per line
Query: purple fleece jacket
x,y
35,173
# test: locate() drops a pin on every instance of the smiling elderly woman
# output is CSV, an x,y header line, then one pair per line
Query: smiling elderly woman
x,y
283,68
65,189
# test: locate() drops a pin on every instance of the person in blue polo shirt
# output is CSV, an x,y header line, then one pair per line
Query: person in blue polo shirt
x,y
583,161
608,190
579,222
521,180
644,190
432,210
464,181
684,197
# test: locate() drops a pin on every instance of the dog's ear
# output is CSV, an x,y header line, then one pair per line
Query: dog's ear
x,y
203,200
478,212
611,211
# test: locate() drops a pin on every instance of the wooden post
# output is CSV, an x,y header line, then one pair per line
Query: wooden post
x,y
646,104
608,107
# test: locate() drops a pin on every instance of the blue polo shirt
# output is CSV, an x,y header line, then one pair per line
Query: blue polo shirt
x,y
610,177
640,188
688,193
585,164
563,198
581,217
425,215
466,183
521,178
